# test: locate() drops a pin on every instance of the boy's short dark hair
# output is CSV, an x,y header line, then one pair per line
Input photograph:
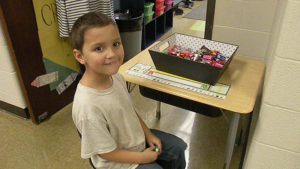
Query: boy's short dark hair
x,y
87,21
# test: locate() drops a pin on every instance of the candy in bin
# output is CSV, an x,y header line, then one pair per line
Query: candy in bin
x,y
216,64
205,51
171,52
187,57
204,55
221,62
214,52
220,56
182,55
205,61
197,57
207,57
187,53
176,48
192,56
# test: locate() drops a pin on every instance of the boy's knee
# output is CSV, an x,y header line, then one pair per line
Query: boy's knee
x,y
181,145
177,149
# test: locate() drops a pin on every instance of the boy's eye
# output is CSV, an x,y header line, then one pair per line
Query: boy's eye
x,y
99,48
117,44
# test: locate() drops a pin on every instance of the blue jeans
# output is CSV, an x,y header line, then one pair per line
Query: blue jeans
x,y
172,156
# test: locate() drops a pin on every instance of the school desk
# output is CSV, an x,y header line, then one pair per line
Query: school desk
x,y
244,77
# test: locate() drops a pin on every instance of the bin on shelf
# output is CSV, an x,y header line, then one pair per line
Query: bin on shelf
x,y
205,73
130,27
159,10
148,7
148,17
159,3
168,4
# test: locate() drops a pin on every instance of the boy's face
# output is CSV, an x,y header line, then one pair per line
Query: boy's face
x,y
102,52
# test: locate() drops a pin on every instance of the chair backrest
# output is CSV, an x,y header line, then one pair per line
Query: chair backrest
x,y
90,160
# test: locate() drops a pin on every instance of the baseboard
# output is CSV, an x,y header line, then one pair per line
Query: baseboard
x,y
14,110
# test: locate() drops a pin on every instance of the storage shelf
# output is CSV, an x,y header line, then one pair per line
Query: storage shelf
x,y
157,27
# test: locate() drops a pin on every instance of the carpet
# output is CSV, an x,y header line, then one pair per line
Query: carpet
x,y
198,13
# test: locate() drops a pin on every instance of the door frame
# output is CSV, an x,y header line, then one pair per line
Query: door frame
x,y
20,28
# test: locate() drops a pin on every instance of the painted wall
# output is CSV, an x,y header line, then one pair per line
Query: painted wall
x,y
269,30
276,140
247,23
10,91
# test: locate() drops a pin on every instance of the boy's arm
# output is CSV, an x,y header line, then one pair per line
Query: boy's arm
x,y
146,130
125,156
151,139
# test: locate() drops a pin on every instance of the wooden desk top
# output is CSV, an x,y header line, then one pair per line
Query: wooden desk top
x,y
244,76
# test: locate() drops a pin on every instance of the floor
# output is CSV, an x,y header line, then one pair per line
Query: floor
x,y
55,144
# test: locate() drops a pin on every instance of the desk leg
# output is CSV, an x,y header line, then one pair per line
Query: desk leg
x,y
249,120
158,112
233,128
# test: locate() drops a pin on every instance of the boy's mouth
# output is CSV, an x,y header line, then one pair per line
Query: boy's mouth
x,y
110,63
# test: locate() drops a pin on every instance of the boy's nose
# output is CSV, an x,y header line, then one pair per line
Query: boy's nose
x,y
110,53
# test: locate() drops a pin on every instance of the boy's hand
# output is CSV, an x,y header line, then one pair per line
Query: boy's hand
x,y
149,155
153,141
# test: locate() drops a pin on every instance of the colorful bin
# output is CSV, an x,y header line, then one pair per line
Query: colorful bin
x,y
168,4
148,7
159,10
148,16
159,3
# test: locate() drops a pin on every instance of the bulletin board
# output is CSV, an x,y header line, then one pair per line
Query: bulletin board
x,y
39,53
57,51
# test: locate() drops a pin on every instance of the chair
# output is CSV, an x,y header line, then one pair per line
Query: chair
x,y
90,160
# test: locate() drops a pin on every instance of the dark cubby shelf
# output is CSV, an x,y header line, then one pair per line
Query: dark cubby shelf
x,y
157,27
149,31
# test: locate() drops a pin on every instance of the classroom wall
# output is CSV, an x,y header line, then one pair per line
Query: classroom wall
x,y
269,31
247,23
275,143
10,91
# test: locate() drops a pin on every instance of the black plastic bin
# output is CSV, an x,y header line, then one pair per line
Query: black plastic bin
x,y
130,25
186,68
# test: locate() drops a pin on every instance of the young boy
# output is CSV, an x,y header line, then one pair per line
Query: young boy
x,y
113,135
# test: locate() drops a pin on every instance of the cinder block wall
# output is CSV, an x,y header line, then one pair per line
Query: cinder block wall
x,y
10,91
247,23
276,140
269,31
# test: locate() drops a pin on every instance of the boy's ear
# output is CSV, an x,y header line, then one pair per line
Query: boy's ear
x,y
78,56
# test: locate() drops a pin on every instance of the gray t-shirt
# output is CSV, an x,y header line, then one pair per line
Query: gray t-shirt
x,y
106,120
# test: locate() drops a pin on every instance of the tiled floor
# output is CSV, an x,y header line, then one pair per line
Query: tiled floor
x,y
54,144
